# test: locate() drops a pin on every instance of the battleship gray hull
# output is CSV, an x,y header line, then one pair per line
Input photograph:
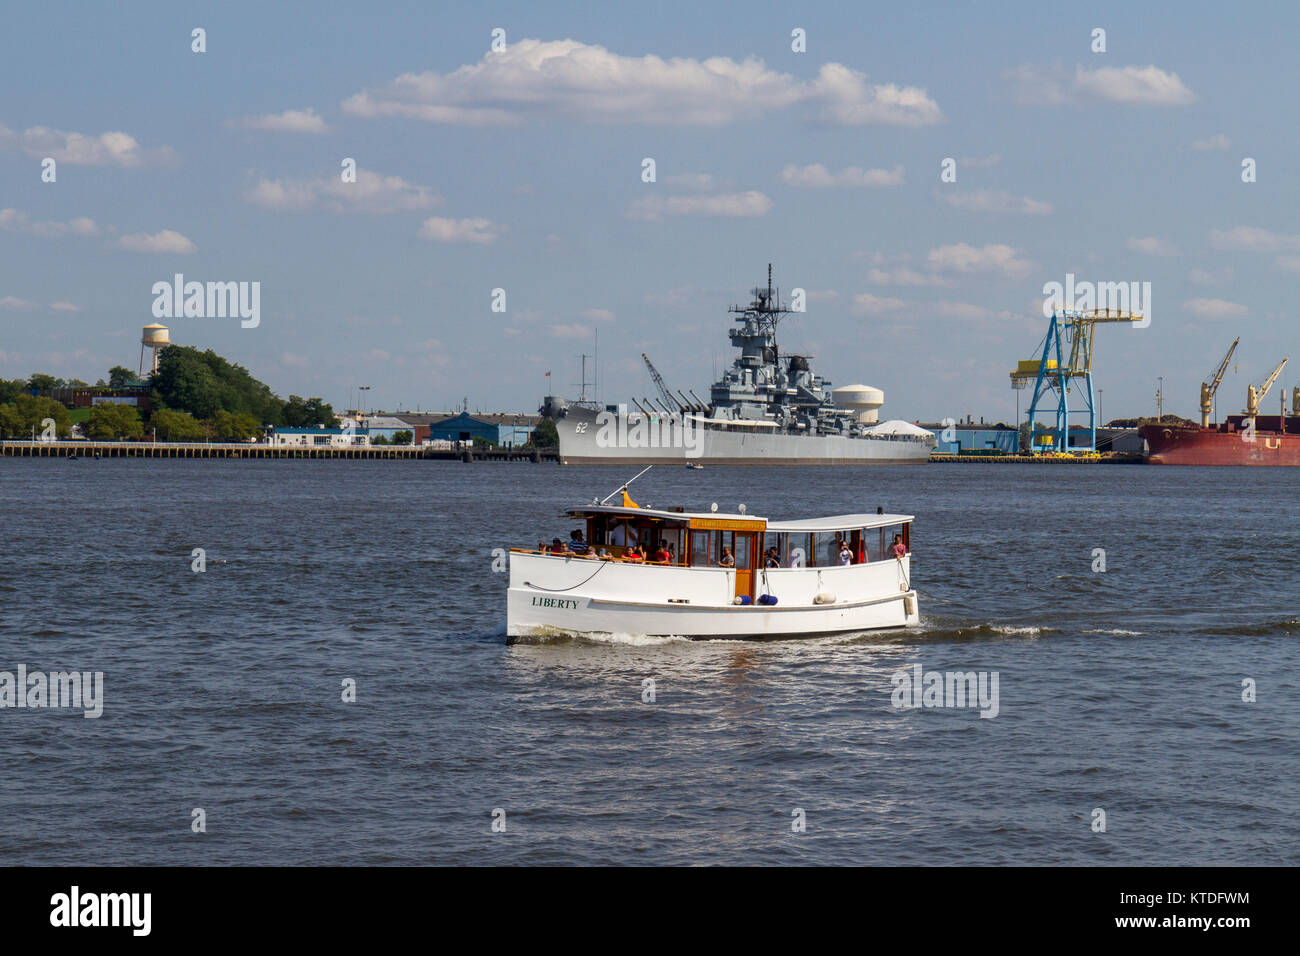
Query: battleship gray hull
x,y
588,439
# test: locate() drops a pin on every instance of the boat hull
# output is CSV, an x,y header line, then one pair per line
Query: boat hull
x,y
550,595
585,441
1182,445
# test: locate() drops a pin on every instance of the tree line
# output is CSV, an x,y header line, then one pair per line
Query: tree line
x,y
195,395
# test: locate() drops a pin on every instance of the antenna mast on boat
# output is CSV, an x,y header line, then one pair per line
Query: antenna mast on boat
x,y
623,487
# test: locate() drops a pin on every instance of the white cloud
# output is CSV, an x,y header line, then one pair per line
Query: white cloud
x,y
967,259
1151,246
995,201
293,360
290,121
1288,263
64,307
1214,308
80,149
534,79
1205,277
372,193
964,310
864,303
903,275
15,220
598,315
167,241
1253,239
571,331
1211,143
818,176
697,182
15,304
728,205
1138,85
822,295
478,231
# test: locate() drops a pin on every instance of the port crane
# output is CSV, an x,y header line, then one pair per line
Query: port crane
x,y
1255,394
1051,373
671,403
1209,388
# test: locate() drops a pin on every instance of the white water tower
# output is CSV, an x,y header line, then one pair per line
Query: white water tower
x,y
862,399
157,338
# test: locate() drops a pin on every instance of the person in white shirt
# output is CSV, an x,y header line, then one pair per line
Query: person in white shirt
x,y
846,556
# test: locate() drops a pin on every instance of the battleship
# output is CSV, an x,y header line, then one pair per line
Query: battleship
x,y
769,408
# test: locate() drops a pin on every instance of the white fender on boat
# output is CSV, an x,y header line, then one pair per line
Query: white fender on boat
x,y
909,604
824,597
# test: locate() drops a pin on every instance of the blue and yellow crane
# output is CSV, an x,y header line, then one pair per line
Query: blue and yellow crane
x,y
1056,373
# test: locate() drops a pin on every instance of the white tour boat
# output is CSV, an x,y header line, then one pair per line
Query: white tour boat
x,y
722,579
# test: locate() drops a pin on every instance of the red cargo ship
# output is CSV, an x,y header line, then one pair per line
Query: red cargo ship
x,y
1276,441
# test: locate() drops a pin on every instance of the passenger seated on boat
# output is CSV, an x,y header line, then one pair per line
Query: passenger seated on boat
x,y
576,544
557,547
662,556
846,556
726,561
633,554
772,560
898,549
622,535
672,553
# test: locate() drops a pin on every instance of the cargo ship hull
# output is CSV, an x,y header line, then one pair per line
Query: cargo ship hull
x,y
1228,444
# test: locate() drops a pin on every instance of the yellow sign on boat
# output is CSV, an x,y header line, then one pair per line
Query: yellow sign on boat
x,y
726,524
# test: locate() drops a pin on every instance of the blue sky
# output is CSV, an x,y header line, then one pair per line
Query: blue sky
x,y
522,170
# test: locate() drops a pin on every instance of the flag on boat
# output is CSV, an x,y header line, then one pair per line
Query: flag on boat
x,y
627,500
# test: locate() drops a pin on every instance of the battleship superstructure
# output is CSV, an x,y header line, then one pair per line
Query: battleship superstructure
x,y
767,409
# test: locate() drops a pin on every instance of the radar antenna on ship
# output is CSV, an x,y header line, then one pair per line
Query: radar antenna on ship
x,y
766,308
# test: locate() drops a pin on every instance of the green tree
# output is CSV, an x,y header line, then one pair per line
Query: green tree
x,y
112,421
176,426
34,410
403,437
43,383
204,383
234,427
10,389
118,376
380,440
544,435
302,412
11,422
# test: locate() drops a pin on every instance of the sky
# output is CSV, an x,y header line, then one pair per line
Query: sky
x,y
521,168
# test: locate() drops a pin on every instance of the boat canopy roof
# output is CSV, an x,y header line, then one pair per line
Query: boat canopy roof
x,y
836,523
804,525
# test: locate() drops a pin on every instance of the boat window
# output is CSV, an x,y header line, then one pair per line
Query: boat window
x,y
699,549
887,541
723,539
673,536
596,527
827,547
743,558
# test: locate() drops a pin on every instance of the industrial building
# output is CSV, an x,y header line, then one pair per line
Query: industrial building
x,y
504,429
971,437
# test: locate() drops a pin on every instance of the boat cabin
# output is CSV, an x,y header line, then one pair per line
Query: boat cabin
x,y
756,545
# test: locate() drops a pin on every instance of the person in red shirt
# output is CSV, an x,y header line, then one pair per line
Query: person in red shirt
x,y
634,554
897,548
662,555
557,547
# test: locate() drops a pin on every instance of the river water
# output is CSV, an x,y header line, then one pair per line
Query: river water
x,y
1120,690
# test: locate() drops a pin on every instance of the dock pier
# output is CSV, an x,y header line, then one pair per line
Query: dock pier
x,y
250,450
